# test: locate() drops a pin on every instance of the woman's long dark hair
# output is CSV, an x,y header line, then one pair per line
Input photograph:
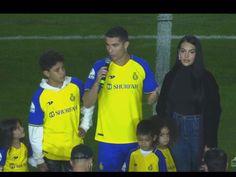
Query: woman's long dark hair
x,y
198,69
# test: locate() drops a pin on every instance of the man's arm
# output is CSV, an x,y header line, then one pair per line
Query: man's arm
x,y
152,97
90,96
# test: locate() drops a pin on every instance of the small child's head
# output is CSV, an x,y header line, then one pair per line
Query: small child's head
x,y
52,65
81,158
215,160
10,129
165,131
145,135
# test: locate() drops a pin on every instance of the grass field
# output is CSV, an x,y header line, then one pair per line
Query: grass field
x,y
20,73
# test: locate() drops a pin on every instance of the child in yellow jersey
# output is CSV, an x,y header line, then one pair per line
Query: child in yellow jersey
x,y
55,125
165,137
145,158
13,152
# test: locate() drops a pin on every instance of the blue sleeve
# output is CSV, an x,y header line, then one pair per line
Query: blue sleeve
x,y
3,155
162,161
93,73
149,83
36,115
80,84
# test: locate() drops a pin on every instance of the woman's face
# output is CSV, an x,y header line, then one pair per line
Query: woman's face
x,y
187,53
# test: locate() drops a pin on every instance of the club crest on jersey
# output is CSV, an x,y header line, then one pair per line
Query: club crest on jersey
x,y
135,76
150,167
72,97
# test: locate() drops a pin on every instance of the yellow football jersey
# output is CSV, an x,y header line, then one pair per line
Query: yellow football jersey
x,y
59,113
16,159
120,99
169,159
151,162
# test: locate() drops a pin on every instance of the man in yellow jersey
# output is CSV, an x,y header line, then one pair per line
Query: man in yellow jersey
x,y
54,120
118,82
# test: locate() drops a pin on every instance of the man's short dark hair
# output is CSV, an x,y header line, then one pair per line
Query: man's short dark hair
x,y
119,32
48,59
81,151
216,160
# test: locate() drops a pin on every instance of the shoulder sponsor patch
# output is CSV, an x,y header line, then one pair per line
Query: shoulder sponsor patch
x,y
92,74
32,107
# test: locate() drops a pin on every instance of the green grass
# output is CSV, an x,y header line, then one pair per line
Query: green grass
x,y
20,73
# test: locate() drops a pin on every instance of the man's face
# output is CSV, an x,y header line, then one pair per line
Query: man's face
x,y
116,48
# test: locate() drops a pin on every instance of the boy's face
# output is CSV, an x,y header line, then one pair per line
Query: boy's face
x,y
56,75
145,142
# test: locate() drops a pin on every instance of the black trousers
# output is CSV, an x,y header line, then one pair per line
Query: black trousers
x,y
58,165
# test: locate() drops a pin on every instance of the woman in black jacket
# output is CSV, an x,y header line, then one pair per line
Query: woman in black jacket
x,y
190,96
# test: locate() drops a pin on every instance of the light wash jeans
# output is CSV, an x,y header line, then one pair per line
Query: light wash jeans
x,y
188,149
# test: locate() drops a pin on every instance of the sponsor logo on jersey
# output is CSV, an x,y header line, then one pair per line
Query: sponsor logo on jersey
x,y
121,86
62,111
101,166
92,74
112,76
32,107
50,102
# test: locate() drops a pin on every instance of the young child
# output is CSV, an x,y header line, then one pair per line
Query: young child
x,y
145,158
215,160
81,158
165,137
55,125
13,152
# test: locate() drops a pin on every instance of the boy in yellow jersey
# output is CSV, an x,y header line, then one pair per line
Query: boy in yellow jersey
x,y
118,83
145,158
54,119
166,135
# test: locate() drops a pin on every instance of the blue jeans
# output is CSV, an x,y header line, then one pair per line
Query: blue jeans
x,y
111,157
187,151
